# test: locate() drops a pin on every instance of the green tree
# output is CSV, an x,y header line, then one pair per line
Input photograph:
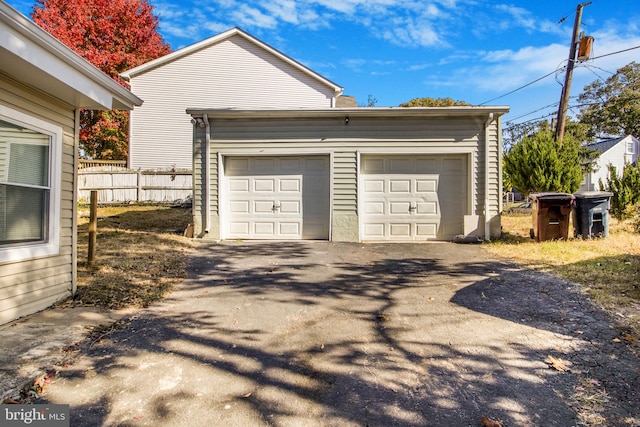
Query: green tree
x,y
113,35
613,107
433,102
625,189
541,163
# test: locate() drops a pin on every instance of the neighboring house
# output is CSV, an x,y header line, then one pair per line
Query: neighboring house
x,y
43,84
230,70
358,174
617,152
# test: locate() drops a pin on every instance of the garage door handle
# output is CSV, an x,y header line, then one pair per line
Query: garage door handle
x,y
412,208
275,207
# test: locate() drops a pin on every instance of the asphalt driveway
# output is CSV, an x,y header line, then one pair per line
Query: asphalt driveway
x,y
332,334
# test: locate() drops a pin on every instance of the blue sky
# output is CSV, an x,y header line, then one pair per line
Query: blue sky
x,y
396,50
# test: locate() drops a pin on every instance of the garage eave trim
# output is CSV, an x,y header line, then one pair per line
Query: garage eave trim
x,y
351,112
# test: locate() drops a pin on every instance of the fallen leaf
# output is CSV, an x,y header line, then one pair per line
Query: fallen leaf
x,y
629,337
617,340
247,395
10,401
557,364
382,317
489,422
430,298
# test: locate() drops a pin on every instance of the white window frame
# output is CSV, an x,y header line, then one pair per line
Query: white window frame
x,y
630,147
51,245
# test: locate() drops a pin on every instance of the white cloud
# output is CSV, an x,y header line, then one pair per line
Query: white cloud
x,y
419,67
284,10
410,33
253,17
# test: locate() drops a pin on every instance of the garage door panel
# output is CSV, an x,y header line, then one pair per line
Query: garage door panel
x,y
453,166
263,228
427,208
262,207
290,185
237,165
289,229
292,207
239,207
264,185
374,208
398,165
399,208
239,228
374,230
290,165
274,197
413,197
427,185
239,185
373,165
374,186
263,164
428,230
316,165
400,230
400,186
426,166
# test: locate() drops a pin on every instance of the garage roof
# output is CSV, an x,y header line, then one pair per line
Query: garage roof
x,y
465,111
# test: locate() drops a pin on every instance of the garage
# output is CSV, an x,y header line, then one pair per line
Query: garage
x,y
413,197
348,174
275,198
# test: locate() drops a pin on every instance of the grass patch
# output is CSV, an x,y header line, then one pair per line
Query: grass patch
x,y
140,255
608,269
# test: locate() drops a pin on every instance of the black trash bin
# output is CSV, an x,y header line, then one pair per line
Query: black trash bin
x,y
591,214
550,213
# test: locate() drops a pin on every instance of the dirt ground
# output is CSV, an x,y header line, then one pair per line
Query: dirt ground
x,y
321,333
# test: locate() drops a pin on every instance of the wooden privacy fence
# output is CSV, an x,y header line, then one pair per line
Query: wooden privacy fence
x,y
117,184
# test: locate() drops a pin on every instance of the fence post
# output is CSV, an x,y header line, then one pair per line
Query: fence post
x,y
139,193
93,226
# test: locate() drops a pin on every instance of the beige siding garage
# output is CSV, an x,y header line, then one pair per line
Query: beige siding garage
x,y
413,197
394,174
267,197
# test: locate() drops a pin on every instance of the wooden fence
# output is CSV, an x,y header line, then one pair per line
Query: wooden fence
x,y
117,184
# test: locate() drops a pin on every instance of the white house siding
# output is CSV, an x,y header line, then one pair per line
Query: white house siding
x,y
616,156
33,285
346,143
234,73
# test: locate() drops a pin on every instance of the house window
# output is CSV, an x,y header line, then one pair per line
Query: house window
x,y
630,147
29,189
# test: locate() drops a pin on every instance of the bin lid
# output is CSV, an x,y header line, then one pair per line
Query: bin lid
x,y
551,196
593,195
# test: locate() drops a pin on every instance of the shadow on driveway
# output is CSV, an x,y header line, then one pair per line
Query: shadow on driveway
x,y
321,333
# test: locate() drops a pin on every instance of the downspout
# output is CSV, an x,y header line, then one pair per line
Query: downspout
x,y
76,198
487,223
207,174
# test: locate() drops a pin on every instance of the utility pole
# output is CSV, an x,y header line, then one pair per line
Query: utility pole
x,y
566,89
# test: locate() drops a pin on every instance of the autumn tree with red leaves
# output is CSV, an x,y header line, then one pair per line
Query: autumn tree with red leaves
x,y
113,35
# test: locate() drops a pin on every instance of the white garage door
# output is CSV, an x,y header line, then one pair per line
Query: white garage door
x,y
276,197
413,197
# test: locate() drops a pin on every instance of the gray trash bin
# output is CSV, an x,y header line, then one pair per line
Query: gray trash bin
x,y
591,214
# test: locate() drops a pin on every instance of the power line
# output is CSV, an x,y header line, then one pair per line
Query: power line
x,y
615,53
555,104
547,75
520,88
